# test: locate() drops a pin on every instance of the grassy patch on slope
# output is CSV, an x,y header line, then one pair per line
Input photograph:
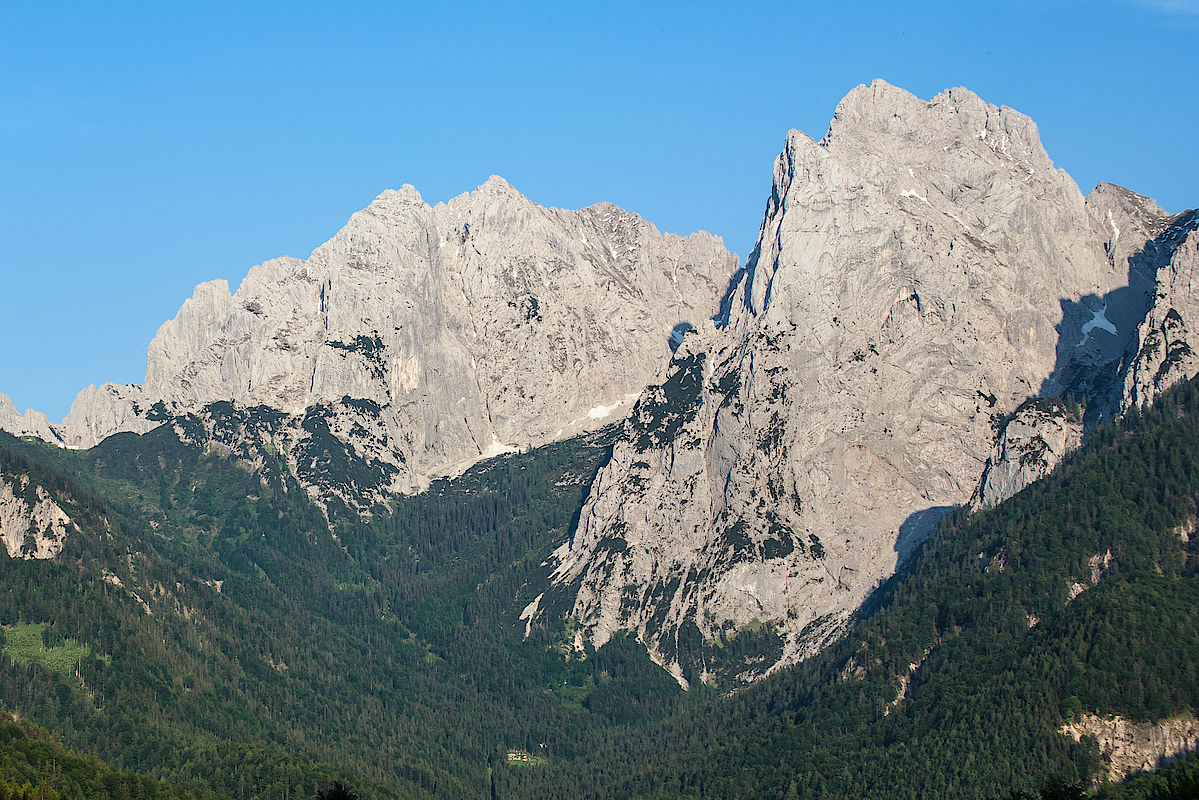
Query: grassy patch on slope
x,y
26,643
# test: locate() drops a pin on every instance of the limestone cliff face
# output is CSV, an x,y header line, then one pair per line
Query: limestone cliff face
x,y
1135,345
1030,444
31,423
920,272
1161,351
32,524
97,413
1130,747
466,329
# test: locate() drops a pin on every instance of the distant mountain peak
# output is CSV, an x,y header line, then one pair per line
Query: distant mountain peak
x,y
429,336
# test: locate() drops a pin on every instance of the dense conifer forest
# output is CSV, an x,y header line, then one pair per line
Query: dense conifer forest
x,y
213,630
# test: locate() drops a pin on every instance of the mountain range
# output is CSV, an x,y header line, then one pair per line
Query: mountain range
x,y
571,441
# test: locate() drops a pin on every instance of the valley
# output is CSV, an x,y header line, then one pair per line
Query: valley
x,y
488,499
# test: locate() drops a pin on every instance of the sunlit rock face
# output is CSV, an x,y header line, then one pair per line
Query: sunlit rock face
x,y
921,272
1031,442
31,423
1129,747
430,336
32,524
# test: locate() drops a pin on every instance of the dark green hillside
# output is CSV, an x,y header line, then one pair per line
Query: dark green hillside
x,y
34,765
275,657
1177,780
213,629
1003,655
175,677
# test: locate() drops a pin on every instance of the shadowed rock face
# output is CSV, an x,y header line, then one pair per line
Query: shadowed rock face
x,y
920,272
1132,345
1160,352
467,329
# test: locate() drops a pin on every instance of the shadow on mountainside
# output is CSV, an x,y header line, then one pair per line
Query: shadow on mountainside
x,y
916,528
1097,334
1096,340
677,333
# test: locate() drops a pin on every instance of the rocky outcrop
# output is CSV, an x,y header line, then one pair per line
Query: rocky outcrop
x,y
32,525
341,453
31,423
1098,567
1029,445
471,328
1130,747
97,413
1134,346
1162,350
921,272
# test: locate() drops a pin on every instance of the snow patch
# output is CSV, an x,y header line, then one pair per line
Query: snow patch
x,y
603,412
1098,320
599,412
498,448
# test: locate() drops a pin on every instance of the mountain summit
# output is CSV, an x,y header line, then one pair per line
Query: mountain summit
x,y
419,339
922,273
933,316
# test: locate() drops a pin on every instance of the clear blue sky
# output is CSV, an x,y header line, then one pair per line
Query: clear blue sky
x,y
147,147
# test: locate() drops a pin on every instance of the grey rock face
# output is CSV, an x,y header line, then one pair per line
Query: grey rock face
x,y
1161,351
917,273
98,413
1134,346
1130,747
339,452
32,525
31,423
1030,444
478,326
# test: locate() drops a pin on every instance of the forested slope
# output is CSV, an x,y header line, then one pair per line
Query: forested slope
x,y
34,765
231,638
211,627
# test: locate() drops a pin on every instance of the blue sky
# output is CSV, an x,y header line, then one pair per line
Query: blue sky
x,y
147,147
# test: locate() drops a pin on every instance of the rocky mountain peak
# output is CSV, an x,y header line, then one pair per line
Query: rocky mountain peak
x,y
31,423
921,272
888,118
1126,220
496,185
406,195
419,338
969,169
